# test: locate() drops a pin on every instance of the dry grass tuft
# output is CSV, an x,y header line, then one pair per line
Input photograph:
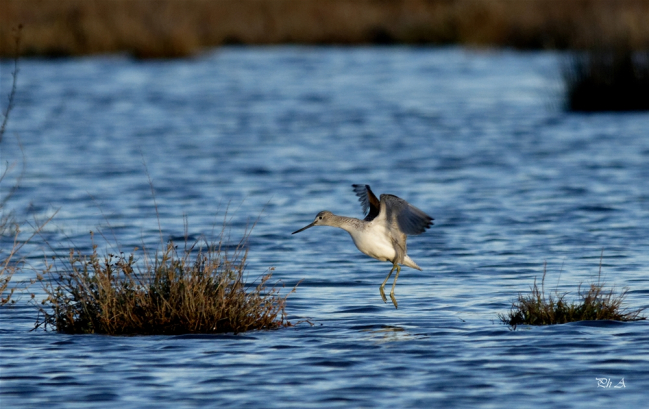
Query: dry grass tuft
x,y
9,265
608,81
595,304
8,268
195,291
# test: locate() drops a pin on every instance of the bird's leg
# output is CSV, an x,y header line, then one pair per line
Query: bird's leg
x,y
394,300
385,281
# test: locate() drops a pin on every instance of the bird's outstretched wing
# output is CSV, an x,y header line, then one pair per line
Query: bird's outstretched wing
x,y
369,202
408,218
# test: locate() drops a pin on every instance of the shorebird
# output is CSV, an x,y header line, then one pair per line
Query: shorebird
x,y
382,233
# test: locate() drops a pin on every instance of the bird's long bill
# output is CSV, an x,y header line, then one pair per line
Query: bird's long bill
x,y
304,228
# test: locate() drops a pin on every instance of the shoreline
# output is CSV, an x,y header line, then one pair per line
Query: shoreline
x,y
180,28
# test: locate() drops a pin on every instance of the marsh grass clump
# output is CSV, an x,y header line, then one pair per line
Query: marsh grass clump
x,y
11,261
608,81
191,291
596,303
8,265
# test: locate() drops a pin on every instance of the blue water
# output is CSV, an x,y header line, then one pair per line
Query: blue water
x,y
477,139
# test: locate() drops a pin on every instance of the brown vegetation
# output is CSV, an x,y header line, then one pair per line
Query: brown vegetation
x,y
595,304
8,267
197,291
172,28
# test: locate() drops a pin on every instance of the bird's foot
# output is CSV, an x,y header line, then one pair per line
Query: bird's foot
x,y
383,294
394,300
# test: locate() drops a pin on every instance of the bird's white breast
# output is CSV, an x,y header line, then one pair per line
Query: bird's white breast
x,y
374,241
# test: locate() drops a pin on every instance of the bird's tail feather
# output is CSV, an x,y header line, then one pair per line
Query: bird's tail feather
x,y
407,261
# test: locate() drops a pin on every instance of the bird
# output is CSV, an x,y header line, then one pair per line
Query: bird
x,y
382,233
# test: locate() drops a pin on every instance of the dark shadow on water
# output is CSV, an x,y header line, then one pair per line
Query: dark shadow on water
x,y
359,310
214,336
601,323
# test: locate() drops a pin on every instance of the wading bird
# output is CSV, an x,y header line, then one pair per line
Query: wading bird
x,y
382,234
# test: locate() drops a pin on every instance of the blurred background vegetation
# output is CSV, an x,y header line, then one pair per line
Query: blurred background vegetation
x,y
176,28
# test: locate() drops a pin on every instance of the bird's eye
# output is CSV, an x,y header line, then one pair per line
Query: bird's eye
x,y
320,218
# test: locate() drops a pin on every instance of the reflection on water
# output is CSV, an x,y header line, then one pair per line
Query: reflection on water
x,y
475,139
389,334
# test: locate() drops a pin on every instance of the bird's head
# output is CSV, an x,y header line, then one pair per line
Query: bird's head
x,y
321,219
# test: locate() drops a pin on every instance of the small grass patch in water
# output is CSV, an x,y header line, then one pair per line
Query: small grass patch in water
x,y
10,261
7,270
191,291
597,303
608,81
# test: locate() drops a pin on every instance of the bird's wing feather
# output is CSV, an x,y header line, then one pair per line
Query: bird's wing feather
x,y
369,202
408,218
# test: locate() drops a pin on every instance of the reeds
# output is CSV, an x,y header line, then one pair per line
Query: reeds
x,y
199,290
176,28
608,81
8,267
595,304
